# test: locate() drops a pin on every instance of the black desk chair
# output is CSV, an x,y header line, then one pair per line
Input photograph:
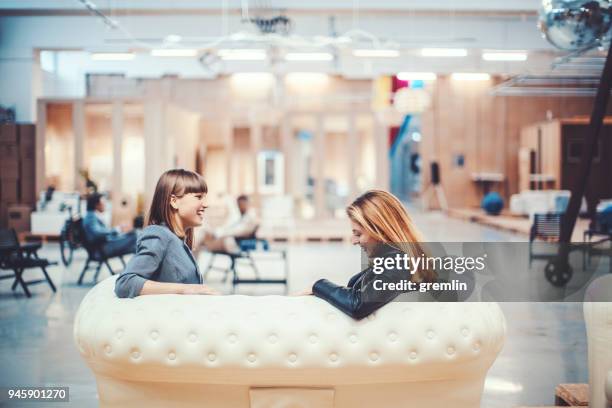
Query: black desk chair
x,y
248,245
18,258
95,253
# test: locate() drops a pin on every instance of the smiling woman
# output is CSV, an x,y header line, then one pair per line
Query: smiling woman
x,y
164,262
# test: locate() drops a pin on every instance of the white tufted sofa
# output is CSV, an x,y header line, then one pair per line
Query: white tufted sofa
x,y
598,319
273,351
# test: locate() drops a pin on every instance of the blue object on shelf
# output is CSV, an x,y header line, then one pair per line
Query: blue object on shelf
x,y
492,203
561,203
604,218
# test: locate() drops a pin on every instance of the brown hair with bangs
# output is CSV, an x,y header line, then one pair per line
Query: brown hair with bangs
x,y
177,182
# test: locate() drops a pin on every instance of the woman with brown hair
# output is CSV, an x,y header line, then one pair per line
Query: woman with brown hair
x,y
163,262
383,229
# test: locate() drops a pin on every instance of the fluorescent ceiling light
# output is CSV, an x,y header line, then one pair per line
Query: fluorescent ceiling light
x,y
444,52
376,53
469,76
416,76
308,56
112,56
504,56
248,54
174,52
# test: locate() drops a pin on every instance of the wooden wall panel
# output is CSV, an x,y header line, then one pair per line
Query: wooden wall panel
x,y
464,118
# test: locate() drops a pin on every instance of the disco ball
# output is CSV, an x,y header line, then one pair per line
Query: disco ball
x,y
575,24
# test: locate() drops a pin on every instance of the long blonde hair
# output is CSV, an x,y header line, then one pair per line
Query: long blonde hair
x,y
386,220
176,182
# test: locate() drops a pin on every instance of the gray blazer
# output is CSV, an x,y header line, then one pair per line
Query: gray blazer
x,y
160,256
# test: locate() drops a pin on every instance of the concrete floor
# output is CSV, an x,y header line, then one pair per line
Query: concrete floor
x,y
546,343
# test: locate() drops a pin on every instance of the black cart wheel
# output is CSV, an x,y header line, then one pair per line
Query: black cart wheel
x,y
66,248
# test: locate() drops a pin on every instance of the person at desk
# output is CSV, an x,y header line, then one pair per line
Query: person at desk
x,y
226,238
114,241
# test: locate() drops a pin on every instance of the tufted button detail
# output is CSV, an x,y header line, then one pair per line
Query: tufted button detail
x,y
119,333
292,357
392,337
465,332
172,355
333,357
413,355
212,357
313,339
154,335
273,338
252,357
135,354
232,338
450,350
292,315
353,338
373,356
214,315
193,337
431,334
476,346
108,349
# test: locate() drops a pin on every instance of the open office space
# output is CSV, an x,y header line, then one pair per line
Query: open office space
x,y
305,204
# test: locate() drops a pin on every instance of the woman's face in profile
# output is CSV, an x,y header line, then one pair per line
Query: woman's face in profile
x,y
191,208
363,239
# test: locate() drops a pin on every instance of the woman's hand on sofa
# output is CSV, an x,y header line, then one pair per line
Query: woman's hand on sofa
x,y
199,290
306,292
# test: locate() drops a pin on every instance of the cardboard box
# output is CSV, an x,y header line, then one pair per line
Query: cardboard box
x,y
27,182
27,141
9,191
9,169
9,151
3,220
8,133
18,217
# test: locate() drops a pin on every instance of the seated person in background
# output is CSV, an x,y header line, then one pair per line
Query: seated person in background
x,y
114,241
225,238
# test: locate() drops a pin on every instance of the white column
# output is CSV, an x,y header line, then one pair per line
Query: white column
x,y
41,126
255,146
287,146
381,138
319,169
117,126
78,125
352,154
154,147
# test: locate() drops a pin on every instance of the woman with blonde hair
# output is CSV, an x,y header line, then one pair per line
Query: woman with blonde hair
x,y
383,229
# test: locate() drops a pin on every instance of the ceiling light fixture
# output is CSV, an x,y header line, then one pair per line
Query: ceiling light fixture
x,y
376,53
510,56
444,52
417,76
309,56
237,54
112,56
174,52
470,76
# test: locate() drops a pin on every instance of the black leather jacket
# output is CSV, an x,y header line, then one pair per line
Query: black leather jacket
x,y
359,298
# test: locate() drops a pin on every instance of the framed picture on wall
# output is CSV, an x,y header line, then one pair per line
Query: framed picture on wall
x,y
270,172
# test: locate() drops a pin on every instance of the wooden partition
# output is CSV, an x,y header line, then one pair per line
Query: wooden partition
x,y
466,121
